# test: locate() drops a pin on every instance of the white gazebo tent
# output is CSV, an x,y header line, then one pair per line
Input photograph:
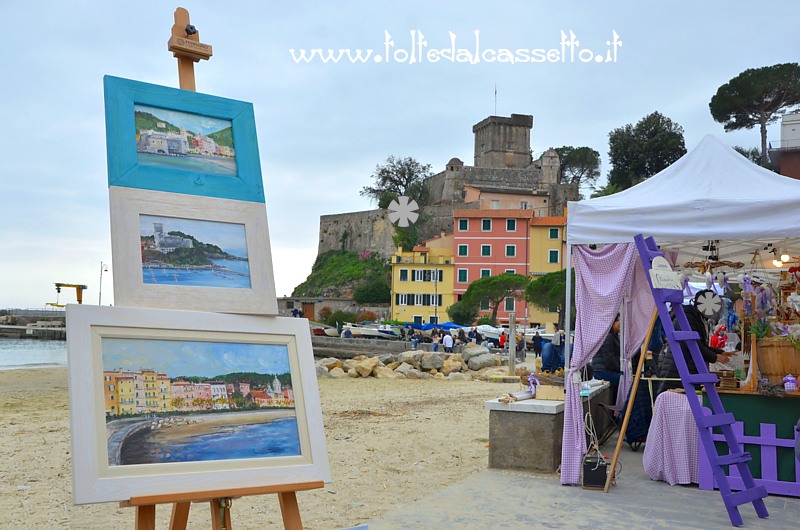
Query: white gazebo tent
x,y
711,193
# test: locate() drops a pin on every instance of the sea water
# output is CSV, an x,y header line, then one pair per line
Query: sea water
x,y
271,439
18,354
201,277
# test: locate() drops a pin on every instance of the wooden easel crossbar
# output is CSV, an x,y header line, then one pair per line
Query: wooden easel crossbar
x,y
219,501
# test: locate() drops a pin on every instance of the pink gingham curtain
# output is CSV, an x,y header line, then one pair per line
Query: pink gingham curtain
x,y
603,279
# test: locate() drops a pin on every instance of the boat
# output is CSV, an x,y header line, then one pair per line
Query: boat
x,y
374,330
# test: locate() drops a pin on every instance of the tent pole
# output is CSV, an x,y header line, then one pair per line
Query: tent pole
x,y
568,315
634,388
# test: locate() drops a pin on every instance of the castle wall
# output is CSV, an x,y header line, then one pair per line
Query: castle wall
x,y
356,231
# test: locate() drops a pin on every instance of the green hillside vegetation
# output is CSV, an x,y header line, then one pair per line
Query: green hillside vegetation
x,y
338,273
223,137
145,120
255,379
199,255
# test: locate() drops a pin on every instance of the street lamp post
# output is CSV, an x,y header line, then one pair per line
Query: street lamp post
x,y
103,268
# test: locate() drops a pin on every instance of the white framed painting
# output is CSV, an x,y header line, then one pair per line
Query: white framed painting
x,y
165,402
179,251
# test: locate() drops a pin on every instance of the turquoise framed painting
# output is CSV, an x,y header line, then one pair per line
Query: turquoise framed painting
x,y
165,139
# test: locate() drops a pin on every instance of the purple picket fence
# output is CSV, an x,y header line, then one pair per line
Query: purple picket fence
x,y
769,444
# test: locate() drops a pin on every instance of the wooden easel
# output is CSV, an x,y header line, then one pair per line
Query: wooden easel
x,y
220,502
185,45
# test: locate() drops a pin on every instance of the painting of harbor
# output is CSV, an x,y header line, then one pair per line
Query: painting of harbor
x,y
191,252
172,139
191,401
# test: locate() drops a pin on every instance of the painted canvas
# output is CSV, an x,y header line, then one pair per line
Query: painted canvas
x,y
191,252
172,139
197,401
175,402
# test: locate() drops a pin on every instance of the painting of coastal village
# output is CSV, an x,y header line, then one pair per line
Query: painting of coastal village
x,y
188,142
191,252
189,401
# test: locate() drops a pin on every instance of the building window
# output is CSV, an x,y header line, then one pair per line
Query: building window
x,y
511,251
552,256
439,275
485,273
523,205
401,299
426,299
511,225
463,225
463,250
433,320
403,275
511,271
289,305
486,250
553,233
418,319
509,303
485,306
486,225
462,275
509,145
417,299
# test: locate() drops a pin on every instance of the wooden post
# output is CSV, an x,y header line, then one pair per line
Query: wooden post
x,y
185,45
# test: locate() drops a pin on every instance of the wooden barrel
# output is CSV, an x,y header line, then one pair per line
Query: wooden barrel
x,y
777,358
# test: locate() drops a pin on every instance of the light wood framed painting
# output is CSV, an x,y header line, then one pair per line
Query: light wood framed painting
x,y
177,251
166,402
178,141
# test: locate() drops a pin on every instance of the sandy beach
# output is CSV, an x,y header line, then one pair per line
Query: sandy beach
x,y
390,442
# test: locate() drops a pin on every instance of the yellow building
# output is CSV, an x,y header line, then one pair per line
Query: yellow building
x,y
126,395
164,393
547,253
422,282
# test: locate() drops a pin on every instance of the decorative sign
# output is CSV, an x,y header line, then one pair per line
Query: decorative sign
x,y
663,277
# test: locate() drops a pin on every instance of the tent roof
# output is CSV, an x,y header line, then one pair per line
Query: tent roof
x,y
712,192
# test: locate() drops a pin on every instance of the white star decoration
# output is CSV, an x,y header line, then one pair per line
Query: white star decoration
x,y
403,211
709,304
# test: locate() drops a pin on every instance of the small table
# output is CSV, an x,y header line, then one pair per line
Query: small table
x,y
671,451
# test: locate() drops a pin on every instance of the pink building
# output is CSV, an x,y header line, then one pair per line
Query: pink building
x,y
489,243
183,395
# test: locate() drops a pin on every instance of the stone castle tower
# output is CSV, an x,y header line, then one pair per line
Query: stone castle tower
x,y
503,142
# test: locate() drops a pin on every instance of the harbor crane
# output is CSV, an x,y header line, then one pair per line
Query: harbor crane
x,y
78,291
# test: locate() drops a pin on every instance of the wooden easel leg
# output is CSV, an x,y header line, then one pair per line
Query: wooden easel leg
x,y
290,511
221,514
180,515
146,517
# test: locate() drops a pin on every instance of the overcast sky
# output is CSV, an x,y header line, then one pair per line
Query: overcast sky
x,y
322,128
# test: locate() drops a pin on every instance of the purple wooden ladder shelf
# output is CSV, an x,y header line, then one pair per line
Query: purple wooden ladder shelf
x,y
736,458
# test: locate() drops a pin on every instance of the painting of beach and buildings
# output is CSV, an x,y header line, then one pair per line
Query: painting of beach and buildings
x,y
190,401
172,139
191,252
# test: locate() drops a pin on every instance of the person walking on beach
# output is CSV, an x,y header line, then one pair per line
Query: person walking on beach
x,y
537,344
447,342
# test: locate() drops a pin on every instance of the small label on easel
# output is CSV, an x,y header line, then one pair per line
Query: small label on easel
x,y
195,49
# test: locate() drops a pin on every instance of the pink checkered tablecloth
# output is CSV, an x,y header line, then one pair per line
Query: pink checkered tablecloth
x,y
670,453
